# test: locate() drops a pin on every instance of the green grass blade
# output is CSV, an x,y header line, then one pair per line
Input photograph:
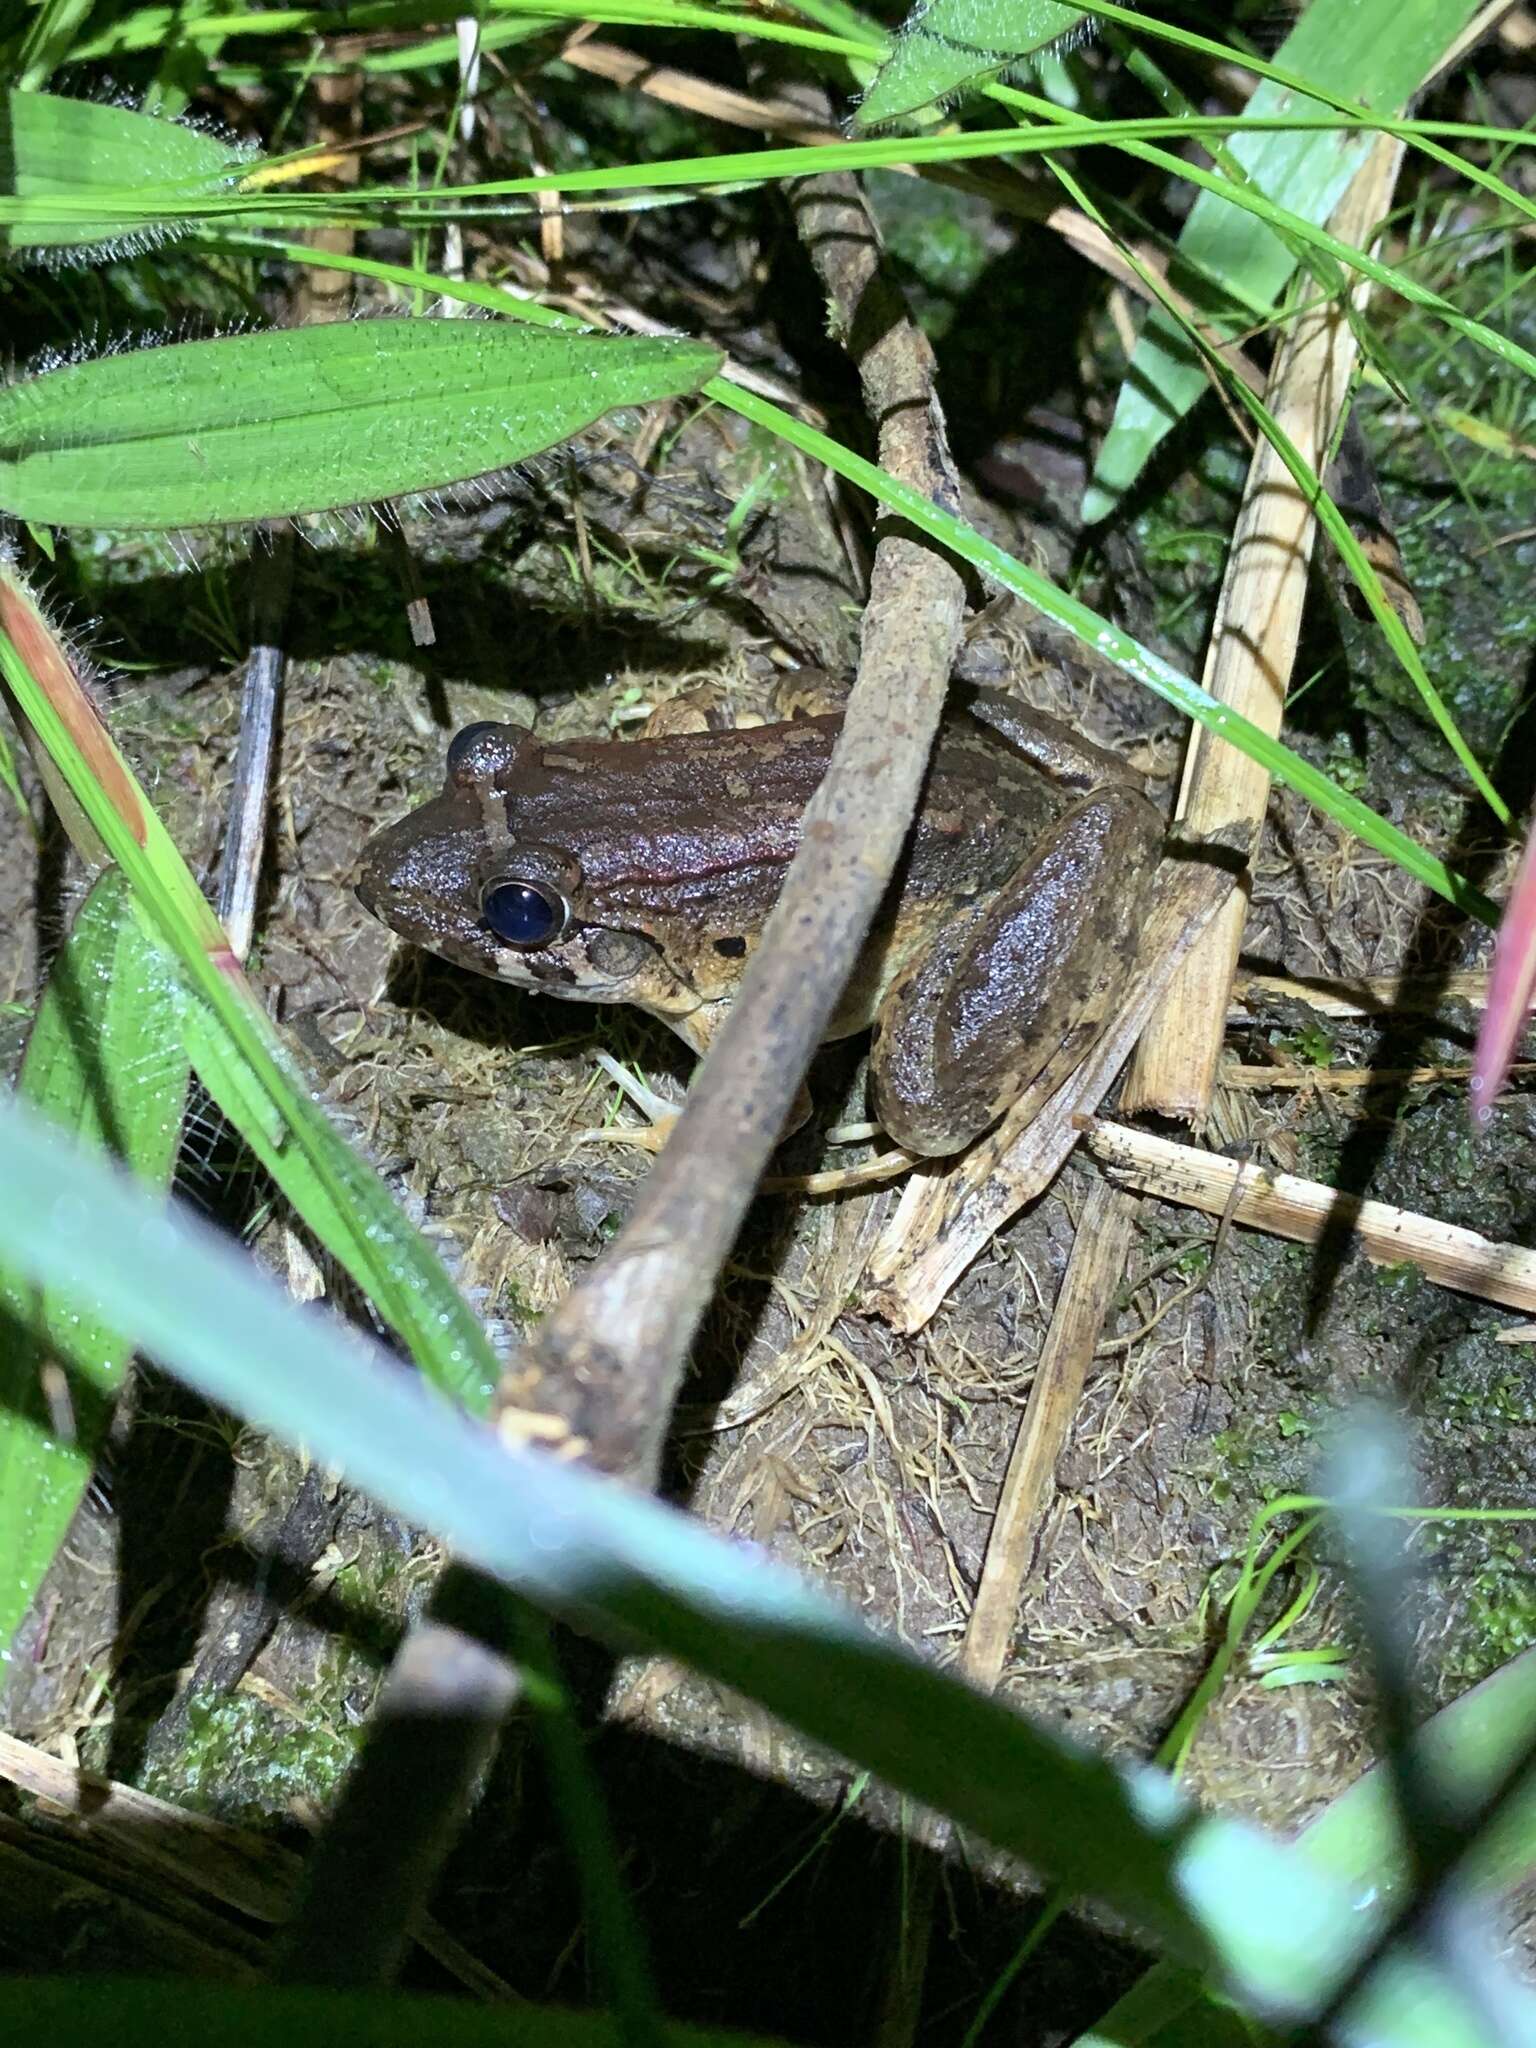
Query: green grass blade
x,y
34,53
944,45
345,1205
1007,570
1216,1893
245,1062
260,426
1121,648
1333,524
1358,1841
148,27
1384,48
102,1063
52,149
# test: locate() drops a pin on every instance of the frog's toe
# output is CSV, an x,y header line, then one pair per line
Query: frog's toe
x,y
660,1114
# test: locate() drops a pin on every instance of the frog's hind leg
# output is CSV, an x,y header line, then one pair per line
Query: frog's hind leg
x,y
1020,983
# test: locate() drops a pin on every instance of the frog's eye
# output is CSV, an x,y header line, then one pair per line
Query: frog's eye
x,y
462,744
522,913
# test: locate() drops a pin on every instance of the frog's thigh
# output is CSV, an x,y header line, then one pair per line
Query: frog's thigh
x,y
971,1024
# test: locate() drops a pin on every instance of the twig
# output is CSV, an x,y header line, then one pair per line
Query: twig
x,y
1374,996
1302,1210
1350,1079
251,789
608,1361
1248,665
318,296
602,1372
1093,1273
434,1730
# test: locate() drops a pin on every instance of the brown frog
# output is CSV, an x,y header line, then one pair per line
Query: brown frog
x,y
642,871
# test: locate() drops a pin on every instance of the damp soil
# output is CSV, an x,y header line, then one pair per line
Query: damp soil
x,y
218,1622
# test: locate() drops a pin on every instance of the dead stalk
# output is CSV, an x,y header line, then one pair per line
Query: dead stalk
x,y
608,1361
1302,1210
1248,665
602,1373
1087,1291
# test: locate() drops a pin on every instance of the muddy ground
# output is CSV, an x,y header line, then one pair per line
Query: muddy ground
x,y
579,596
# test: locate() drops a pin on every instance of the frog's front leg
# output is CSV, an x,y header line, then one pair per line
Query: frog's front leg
x,y
697,1028
996,997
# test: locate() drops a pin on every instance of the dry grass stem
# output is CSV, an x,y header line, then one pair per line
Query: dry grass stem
x,y
1087,1290
1248,664
608,1361
947,1217
771,115
1373,997
1303,1210
1264,1079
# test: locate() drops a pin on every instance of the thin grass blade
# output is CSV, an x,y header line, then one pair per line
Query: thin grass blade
x,y
241,1058
1384,48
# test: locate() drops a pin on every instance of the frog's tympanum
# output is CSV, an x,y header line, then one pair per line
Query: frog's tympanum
x,y
642,871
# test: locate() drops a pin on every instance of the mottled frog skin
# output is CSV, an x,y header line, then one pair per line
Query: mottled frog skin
x,y
642,871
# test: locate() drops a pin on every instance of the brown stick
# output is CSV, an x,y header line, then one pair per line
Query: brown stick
x,y
603,1371
606,1365
1092,1275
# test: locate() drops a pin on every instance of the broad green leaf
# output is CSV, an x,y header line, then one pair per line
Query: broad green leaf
x,y
103,1063
260,426
56,150
1227,259
243,1061
1218,1894
946,44
133,2014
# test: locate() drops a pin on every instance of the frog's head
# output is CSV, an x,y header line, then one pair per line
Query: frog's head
x,y
455,877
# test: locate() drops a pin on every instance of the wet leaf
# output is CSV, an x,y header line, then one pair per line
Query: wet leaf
x,y
259,426
946,44
58,156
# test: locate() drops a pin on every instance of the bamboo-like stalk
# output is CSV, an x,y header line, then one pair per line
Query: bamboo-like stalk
x,y
1303,1210
1248,664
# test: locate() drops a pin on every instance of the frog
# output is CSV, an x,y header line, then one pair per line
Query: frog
x,y
643,870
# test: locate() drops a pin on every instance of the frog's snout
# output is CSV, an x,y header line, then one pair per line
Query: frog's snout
x,y
379,872
416,875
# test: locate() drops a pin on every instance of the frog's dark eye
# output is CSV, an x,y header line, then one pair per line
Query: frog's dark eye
x,y
523,914
462,743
